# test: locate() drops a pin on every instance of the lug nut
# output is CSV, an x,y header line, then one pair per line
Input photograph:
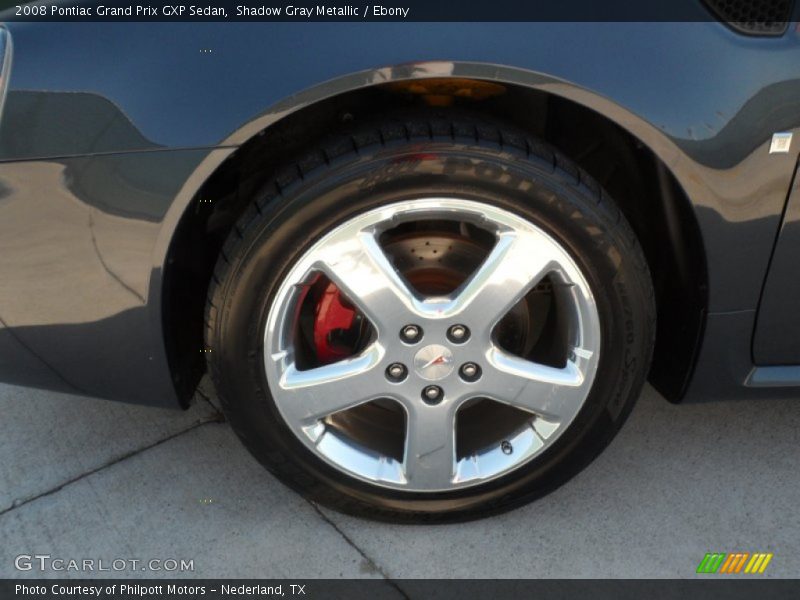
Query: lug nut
x,y
458,334
470,371
411,334
396,372
432,394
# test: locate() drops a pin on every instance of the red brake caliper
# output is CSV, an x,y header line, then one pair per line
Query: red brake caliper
x,y
332,313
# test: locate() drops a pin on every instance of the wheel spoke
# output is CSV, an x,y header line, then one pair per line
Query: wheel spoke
x,y
518,261
322,391
360,268
430,447
554,393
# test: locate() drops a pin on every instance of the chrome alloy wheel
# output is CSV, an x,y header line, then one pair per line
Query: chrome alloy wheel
x,y
433,355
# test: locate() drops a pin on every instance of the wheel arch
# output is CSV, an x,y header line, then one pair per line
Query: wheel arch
x,y
204,211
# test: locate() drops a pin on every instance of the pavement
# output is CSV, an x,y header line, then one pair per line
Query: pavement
x,y
90,479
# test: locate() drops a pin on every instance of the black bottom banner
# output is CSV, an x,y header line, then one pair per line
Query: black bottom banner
x,y
377,589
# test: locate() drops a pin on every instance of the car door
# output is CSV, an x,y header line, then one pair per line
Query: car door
x,y
777,335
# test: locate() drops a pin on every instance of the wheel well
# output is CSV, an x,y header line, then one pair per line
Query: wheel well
x,y
647,193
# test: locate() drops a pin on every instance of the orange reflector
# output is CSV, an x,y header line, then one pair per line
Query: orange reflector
x,y
441,91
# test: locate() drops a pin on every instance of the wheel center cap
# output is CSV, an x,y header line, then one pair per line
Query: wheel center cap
x,y
433,362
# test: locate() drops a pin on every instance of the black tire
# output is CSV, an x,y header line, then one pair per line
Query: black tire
x,y
353,173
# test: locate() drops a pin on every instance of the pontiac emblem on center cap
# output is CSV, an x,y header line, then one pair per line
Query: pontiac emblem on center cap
x,y
433,362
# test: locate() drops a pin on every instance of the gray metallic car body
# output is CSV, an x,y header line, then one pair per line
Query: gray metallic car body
x,y
109,131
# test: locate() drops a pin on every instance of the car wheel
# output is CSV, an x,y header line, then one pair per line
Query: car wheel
x,y
429,320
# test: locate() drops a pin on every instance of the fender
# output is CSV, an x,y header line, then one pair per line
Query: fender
x,y
714,141
719,195
694,93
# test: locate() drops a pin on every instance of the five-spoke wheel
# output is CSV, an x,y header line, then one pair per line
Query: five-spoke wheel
x,y
440,351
